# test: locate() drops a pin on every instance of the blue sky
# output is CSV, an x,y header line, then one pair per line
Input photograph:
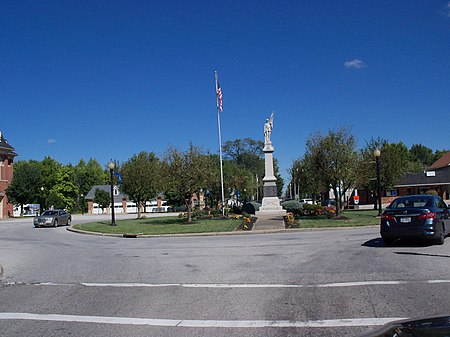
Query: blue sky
x,y
108,79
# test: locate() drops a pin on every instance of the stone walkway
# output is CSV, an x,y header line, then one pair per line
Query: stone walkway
x,y
269,222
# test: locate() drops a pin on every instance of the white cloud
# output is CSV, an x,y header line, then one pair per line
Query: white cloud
x,y
51,141
448,9
355,64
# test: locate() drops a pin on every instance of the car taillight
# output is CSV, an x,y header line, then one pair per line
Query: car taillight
x,y
427,215
387,217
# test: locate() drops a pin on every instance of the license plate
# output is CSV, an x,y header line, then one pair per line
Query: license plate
x,y
405,220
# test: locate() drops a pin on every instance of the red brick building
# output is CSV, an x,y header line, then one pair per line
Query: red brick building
x,y
436,178
7,154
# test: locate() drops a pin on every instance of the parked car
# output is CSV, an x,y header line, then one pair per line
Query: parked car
x,y
306,201
329,203
415,216
53,218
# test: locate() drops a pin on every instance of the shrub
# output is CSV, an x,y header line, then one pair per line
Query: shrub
x,y
236,209
200,214
312,209
292,206
251,207
181,208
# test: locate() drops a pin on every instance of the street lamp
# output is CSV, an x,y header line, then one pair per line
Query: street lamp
x,y
377,154
42,200
111,166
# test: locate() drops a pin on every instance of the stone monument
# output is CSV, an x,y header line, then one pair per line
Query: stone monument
x,y
270,201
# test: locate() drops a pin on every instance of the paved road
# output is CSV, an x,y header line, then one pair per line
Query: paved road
x,y
319,283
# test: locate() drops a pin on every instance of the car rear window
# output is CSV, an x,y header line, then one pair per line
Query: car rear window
x,y
49,213
411,202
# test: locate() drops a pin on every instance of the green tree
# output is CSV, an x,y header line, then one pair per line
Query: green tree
x,y
87,175
243,151
248,153
102,198
332,159
306,181
186,173
141,178
422,154
394,162
48,168
64,191
24,188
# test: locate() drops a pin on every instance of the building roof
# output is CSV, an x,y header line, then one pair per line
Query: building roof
x,y
444,161
439,177
5,148
107,188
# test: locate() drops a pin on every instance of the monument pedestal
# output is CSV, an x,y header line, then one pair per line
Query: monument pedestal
x,y
270,202
271,205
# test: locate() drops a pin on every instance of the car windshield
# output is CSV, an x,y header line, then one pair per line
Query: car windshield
x,y
411,202
50,213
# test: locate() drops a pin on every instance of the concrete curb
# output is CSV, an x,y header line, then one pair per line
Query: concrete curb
x,y
266,231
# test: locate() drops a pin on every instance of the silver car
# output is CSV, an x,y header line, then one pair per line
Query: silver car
x,y
53,218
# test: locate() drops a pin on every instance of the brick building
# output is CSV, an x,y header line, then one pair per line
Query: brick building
x,y
436,178
7,154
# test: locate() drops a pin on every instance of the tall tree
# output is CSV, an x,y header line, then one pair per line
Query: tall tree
x,y
141,178
87,175
187,173
306,181
394,162
332,158
102,198
49,168
248,153
24,188
422,154
64,192
239,149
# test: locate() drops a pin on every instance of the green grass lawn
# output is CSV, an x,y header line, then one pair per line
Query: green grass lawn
x,y
349,218
166,225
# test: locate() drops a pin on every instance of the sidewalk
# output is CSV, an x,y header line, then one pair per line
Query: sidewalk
x,y
269,222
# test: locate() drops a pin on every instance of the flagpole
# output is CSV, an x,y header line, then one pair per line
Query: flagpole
x,y
218,104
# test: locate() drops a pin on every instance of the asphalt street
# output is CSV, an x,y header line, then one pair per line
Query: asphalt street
x,y
339,282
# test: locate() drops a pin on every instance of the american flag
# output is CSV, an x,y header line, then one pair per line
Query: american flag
x,y
219,102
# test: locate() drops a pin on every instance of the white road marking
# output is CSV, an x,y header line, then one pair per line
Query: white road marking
x,y
329,323
238,285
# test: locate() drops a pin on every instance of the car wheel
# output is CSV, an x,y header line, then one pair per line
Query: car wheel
x,y
441,238
55,223
388,241
69,220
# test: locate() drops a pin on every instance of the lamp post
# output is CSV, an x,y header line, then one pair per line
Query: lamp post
x,y
42,200
111,166
377,154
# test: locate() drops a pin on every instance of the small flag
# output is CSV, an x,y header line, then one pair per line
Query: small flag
x,y
119,177
219,102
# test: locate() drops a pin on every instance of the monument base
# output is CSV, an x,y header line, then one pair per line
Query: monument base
x,y
271,205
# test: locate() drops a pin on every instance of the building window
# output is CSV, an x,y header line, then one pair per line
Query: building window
x,y
391,193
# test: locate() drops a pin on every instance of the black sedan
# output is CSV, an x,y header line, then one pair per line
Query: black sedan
x,y
53,218
416,216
